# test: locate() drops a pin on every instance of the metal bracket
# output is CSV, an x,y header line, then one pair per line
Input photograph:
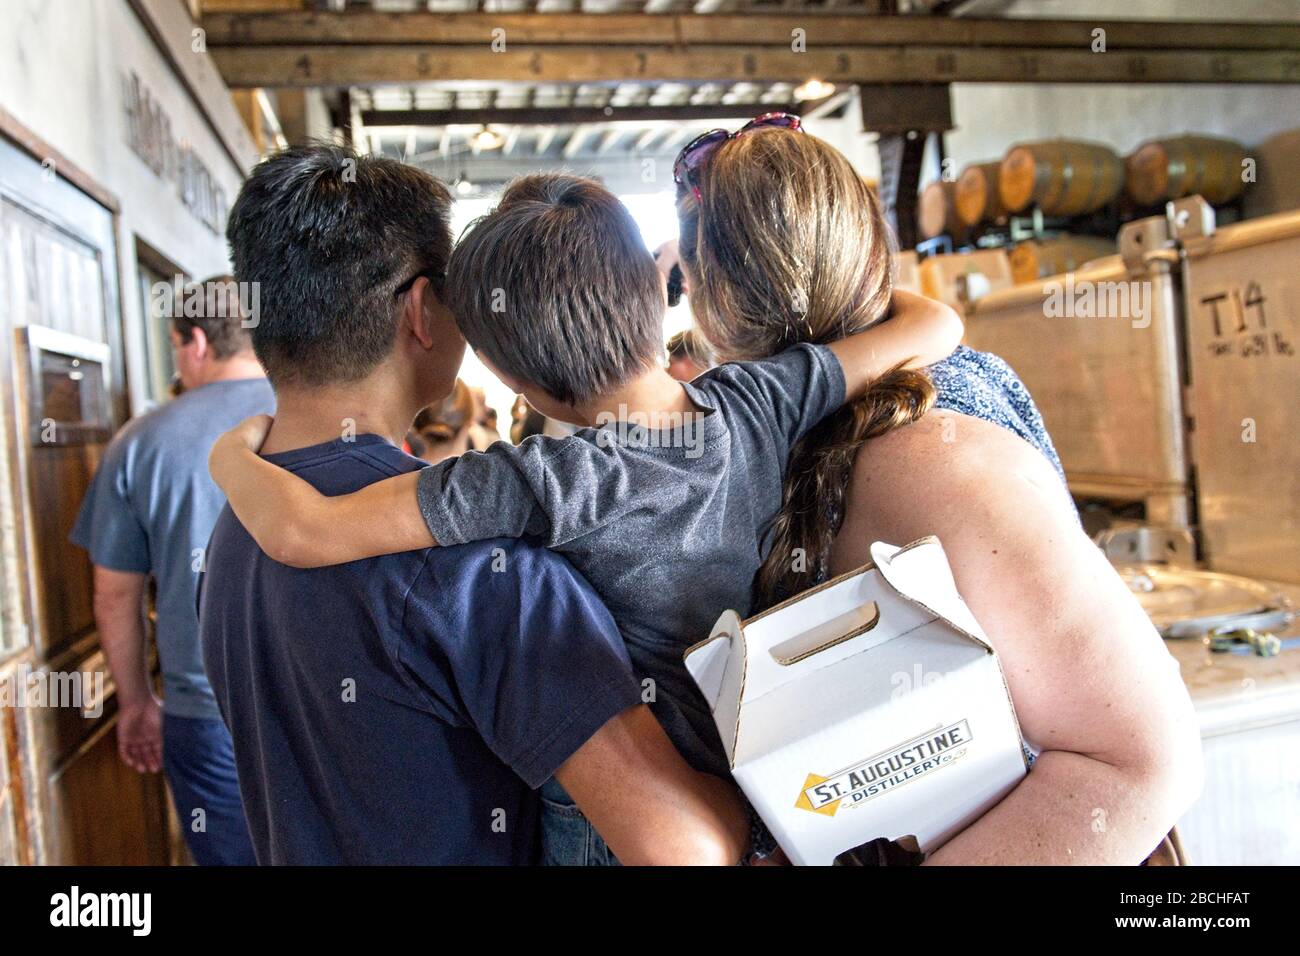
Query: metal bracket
x,y
1027,227
971,287
1190,218
1147,544
1142,239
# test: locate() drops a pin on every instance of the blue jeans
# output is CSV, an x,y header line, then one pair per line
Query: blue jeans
x,y
567,838
199,760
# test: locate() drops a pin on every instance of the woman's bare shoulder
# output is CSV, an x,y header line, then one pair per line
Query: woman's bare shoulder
x,y
952,475
945,450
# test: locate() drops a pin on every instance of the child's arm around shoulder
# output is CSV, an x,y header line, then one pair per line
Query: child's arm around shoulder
x,y
295,524
920,332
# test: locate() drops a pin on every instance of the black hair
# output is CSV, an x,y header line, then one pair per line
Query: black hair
x,y
676,285
329,236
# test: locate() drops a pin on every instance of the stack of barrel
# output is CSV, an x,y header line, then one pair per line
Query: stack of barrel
x,y
1065,179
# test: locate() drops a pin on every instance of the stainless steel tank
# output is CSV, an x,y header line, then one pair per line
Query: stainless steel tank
x,y
1247,707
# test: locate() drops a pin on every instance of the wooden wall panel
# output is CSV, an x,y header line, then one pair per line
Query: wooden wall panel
x,y
8,839
69,798
102,812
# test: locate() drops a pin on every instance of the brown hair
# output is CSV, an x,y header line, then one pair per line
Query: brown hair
x,y
557,288
689,344
216,310
786,244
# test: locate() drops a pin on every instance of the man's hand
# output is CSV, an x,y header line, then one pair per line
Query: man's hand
x,y
139,735
119,616
667,256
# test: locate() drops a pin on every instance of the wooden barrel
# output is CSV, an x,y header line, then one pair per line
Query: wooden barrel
x,y
1165,169
1034,259
1063,177
936,210
977,197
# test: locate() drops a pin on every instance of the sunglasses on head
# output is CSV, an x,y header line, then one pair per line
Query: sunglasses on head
x,y
431,275
697,152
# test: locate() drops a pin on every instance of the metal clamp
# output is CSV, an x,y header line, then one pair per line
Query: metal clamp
x,y
1142,239
1236,624
1190,218
1236,641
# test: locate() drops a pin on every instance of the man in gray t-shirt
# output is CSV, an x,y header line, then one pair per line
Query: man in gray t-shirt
x,y
149,513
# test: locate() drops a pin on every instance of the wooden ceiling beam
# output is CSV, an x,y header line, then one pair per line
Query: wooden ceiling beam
x,y
210,7
568,115
364,65
362,27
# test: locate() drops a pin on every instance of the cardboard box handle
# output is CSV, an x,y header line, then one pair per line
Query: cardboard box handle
x,y
847,626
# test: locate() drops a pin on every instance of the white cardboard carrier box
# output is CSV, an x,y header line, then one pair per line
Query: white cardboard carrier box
x,y
870,706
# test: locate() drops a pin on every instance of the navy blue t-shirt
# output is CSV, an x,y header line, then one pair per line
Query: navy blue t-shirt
x,y
402,709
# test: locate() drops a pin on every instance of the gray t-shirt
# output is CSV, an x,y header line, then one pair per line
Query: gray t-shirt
x,y
666,523
151,508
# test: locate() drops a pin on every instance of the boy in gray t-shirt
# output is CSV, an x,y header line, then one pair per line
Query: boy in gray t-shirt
x,y
661,501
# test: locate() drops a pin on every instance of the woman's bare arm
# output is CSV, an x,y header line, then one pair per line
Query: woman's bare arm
x,y
1094,687
296,525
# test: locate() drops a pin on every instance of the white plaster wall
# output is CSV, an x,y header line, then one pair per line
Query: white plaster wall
x,y
846,135
990,117
63,64
319,124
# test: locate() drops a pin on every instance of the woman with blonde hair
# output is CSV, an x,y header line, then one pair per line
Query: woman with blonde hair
x,y
782,243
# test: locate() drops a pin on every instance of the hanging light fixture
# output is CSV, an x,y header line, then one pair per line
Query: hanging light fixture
x,y
813,89
487,139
